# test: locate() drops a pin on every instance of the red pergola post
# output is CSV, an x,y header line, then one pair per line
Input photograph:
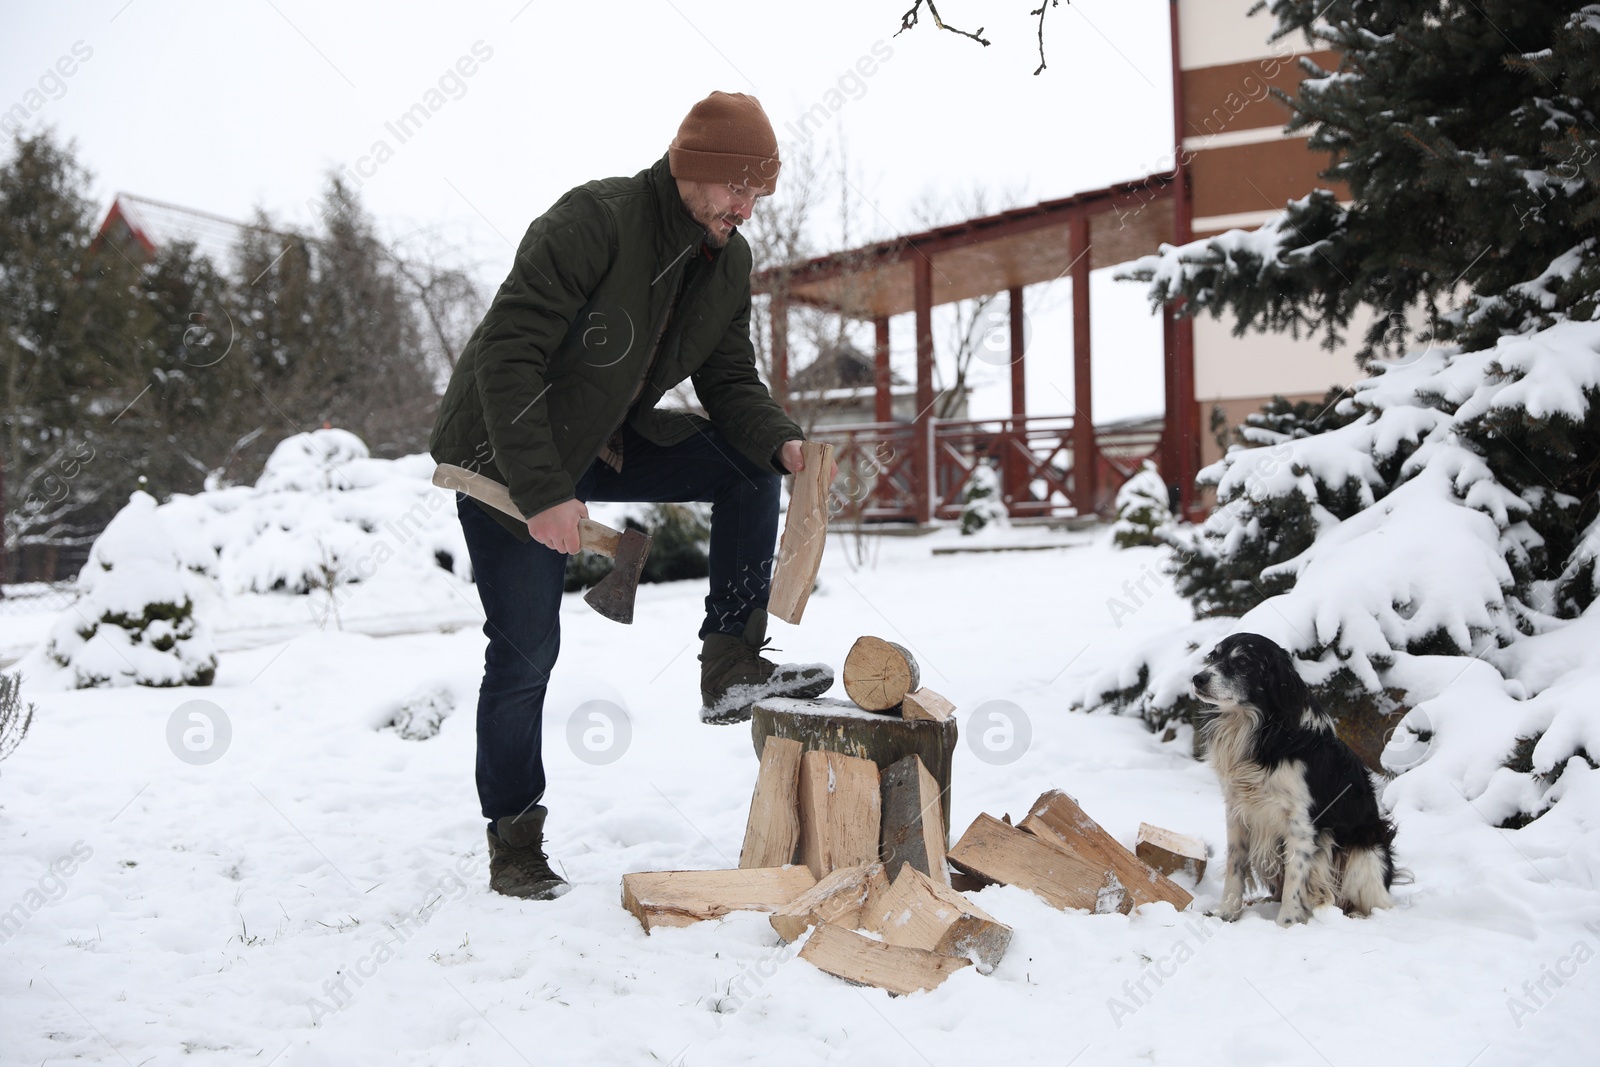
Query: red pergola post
x,y
922,298
778,313
883,398
1188,421
1013,470
1085,457
1183,422
1168,457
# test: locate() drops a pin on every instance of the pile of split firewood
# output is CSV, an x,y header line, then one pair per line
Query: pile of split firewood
x,y
871,852
858,856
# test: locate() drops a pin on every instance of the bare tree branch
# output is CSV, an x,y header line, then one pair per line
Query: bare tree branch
x,y
909,20
446,291
1043,6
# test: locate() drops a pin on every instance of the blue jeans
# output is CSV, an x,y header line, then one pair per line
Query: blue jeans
x,y
520,584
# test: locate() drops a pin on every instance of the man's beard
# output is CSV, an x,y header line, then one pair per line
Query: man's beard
x,y
708,217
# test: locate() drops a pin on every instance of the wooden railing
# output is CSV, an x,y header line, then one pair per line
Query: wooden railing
x,y
881,478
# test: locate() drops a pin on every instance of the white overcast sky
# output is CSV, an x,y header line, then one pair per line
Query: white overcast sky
x,y
230,106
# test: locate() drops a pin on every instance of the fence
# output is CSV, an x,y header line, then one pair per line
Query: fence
x,y
882,464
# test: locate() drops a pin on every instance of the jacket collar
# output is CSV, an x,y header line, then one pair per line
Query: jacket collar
x,y
679,230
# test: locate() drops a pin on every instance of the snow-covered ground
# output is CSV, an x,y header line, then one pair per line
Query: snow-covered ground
x,y
317,893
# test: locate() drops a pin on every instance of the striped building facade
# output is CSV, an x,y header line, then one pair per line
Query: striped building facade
x,y
1241,169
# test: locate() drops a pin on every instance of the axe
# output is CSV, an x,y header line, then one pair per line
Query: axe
x,y
613,597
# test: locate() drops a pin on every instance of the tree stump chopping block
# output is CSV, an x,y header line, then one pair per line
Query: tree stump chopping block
x,y
836,726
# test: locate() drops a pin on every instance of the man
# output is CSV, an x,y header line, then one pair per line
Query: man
x,y
623,289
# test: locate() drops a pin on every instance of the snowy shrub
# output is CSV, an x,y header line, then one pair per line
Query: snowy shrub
x,y
680,535
318,461
1141,508
420,715
585,570
15,716
981,503
134,622
326,517
325,527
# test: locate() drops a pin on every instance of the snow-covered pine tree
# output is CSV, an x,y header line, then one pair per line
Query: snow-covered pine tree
x,y
134,621
981,503
1234,580
1450,507
1142,508
73,338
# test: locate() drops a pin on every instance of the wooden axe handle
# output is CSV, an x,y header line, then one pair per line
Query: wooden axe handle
x,y
594,536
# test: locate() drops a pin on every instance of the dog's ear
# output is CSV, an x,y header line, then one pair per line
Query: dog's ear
x,y
1283,685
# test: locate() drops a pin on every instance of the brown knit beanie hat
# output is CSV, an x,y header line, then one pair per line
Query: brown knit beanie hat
x,y
726,138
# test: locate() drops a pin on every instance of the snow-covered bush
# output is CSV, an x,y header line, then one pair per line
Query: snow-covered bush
x,y
134,622
326,517
1142,508
318,461
420,715
680,539
680,535
15,716
325,527
981,502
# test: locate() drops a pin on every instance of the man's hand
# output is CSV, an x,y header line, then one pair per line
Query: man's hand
x,y
794,460
557,527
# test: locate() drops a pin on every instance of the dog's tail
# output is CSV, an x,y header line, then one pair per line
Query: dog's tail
x,y
1396,875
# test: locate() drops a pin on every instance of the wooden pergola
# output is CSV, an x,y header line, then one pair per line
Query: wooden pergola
x,y
1003,252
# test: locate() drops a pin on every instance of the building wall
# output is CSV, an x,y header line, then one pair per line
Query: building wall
x,y
1261,364
1243,169
839,410
1214,32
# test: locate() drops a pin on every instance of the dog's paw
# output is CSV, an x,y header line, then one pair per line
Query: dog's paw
x,y
1229,911
1293,916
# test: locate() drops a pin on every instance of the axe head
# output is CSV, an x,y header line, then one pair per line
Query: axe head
x,y
613,597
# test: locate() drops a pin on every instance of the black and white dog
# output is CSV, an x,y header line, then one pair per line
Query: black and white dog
x,y
1302,814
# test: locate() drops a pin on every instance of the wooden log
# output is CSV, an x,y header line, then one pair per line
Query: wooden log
x,y
1169,852
878,674
805,532
840,811
925,704
772,834
991,849
965,882
680,898
913,821
837,726
917,912
836,899
1057,819
848,955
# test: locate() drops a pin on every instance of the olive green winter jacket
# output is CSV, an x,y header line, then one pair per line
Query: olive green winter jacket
x,y
552,370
